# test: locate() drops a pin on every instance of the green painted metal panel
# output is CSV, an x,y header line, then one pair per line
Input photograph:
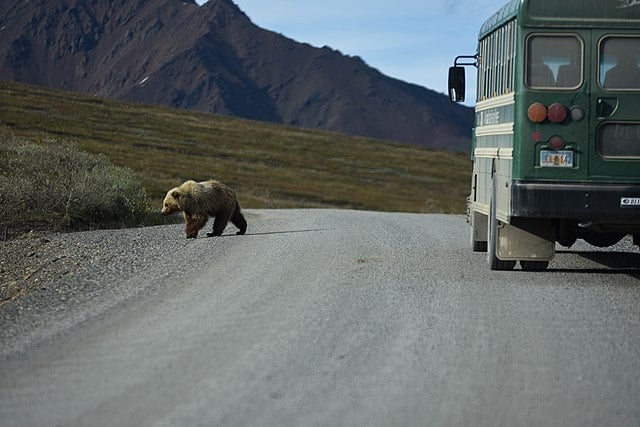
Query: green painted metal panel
x,y
566,14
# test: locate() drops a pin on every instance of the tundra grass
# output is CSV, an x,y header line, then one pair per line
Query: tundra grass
x,y
269,165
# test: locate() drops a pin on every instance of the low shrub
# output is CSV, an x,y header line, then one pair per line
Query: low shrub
x,y
58,187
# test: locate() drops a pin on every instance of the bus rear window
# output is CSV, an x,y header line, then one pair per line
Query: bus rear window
x,y
619,140
619,61
553,62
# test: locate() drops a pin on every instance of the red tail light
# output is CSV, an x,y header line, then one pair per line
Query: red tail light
x,y
556,142
557,113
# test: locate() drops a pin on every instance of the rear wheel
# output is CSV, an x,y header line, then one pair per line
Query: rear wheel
x,y
566,234
478,231
602,240
567,242
492,245
534,265
477,245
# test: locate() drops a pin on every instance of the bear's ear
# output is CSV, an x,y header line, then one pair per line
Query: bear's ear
x,y
175,194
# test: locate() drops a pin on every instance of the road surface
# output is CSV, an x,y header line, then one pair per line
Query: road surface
x,y
329,317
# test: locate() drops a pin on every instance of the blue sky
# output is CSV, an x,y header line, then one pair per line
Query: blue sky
x,y
412,40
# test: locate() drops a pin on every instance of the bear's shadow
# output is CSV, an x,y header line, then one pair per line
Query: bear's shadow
x,y
264,233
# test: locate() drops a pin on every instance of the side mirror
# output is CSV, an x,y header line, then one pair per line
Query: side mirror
x,y
456,84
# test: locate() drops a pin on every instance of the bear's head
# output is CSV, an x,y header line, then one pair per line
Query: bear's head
x,y
172,202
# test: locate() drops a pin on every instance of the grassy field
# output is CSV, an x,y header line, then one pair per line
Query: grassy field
x,y
269,166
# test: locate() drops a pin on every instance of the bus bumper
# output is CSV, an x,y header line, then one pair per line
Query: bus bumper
x,y
579,201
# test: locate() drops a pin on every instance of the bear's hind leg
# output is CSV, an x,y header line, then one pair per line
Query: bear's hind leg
x,y
238,220
219,224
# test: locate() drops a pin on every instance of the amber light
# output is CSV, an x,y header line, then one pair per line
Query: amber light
x,y
557,113
537,112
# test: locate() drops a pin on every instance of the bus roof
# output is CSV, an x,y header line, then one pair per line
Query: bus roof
x,y
566,13
505,14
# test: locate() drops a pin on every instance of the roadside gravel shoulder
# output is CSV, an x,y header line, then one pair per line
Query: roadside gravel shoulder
x,y
49,281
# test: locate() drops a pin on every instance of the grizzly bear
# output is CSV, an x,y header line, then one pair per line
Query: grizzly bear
x,y
200,200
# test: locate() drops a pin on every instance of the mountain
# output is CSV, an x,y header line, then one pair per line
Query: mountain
x,y
212,58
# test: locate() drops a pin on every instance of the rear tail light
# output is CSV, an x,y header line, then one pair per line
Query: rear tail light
x,y
537,112
556,142
557,113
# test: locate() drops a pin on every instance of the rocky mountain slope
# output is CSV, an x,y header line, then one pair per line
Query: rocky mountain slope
x,y
212,58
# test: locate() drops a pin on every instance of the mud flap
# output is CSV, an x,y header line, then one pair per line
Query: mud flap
x,y
479,232
515,243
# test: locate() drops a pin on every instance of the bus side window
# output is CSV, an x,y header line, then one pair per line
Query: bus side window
x,y
619,63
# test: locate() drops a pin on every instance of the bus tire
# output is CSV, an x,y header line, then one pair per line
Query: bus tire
x,y
602,240
495,263
567,241
534,265
566,234
476,245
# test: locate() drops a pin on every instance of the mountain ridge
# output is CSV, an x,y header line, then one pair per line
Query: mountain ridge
x,y
213,58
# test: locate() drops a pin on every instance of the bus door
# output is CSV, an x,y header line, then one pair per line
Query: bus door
x,y
559,85
614,113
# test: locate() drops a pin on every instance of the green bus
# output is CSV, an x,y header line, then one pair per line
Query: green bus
x,y
556,143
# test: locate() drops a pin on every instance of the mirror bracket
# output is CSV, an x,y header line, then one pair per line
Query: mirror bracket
x,y
457,76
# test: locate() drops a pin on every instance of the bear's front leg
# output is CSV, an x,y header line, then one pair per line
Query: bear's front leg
x,y
193,223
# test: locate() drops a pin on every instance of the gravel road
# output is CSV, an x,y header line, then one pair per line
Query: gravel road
x,y
62,279
315,317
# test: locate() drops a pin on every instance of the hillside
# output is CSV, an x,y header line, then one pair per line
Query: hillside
x,y
212,58
269,165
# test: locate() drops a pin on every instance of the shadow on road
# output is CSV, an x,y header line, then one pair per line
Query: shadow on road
x,y
612,263
313,230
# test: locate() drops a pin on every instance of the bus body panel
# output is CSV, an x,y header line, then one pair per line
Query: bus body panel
x,y
576,172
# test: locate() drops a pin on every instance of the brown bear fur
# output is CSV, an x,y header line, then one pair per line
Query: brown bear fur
x,y
200,200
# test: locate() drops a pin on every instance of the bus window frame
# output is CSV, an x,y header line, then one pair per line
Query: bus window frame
x,y
600,77
497,62
553,88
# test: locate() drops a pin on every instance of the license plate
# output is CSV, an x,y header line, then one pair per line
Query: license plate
x,y
630,202
556,159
